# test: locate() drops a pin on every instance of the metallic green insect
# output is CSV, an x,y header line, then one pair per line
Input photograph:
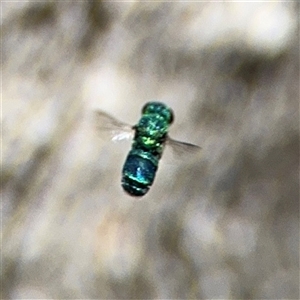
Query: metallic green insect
x,y
150,136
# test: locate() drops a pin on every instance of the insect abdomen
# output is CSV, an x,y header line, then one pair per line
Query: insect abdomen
x,y
138,173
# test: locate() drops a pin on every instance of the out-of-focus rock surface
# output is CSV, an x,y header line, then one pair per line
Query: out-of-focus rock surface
x,y
224,225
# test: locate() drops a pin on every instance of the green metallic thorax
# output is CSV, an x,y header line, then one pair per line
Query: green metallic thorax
x,y
147,148
150,134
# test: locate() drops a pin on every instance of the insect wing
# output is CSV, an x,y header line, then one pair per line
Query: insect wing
x,y
181,150
115,129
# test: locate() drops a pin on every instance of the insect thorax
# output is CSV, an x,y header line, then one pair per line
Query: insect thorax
x,y
150,134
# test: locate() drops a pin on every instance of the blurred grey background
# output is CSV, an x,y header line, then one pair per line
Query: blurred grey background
x,y
224,225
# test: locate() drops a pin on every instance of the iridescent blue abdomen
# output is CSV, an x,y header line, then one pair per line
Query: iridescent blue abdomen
x,y
138,174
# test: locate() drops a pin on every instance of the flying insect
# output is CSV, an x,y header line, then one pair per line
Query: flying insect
x,y
150,136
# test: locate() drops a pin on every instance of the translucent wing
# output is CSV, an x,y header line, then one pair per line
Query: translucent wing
x,y
108,125
181,150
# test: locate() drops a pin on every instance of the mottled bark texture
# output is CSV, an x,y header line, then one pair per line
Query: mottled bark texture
x,y
223,225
